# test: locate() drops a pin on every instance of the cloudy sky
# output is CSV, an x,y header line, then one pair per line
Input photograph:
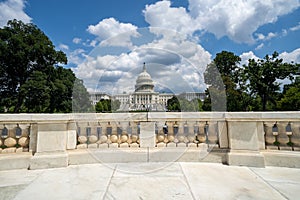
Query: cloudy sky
x,y
107,41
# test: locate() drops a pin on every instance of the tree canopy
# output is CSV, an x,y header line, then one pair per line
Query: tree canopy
x,y
251,87
107,105
263,76
180,104
31,78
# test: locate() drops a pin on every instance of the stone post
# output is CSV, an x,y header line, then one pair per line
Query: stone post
x,y
33,137
71,136
147,134
244,143
51,146
222,134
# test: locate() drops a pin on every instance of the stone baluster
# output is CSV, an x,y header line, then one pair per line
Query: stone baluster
x,y
12,140
119,129
23,137
1,132
170,127
138,128
212,136
196,130
295,138
9,140
18,131
92,137
134,137
161,138
181,136
201,137
124,136
190,130
282,137
82,136
4,132
175,128
11,130
113,136
108,129
171,134
269,137
156,128
103,137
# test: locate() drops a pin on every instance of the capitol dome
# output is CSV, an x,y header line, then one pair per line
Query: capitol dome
x,y
144,82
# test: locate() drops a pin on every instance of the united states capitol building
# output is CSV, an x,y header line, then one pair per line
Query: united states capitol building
x,y
144,97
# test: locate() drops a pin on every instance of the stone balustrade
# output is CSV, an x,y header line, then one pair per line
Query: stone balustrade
x,y
235,138
282,135
14,137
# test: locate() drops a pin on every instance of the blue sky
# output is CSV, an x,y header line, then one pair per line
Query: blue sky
x,y
112,38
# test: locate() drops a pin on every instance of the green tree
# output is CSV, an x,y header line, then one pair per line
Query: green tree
x,y
173,104
31,79
81,99
263,76
226,63
206,106
291,97
215,93
115,105
25,53
200,105
99,107
107,105
36,93
61,84
180,104
233,77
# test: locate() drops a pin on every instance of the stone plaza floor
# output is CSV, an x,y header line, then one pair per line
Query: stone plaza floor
x,y
151,181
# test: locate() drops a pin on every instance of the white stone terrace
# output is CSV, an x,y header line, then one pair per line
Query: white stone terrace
x,y
159,180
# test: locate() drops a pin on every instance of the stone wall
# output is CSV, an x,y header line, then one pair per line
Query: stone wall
x,y
235,138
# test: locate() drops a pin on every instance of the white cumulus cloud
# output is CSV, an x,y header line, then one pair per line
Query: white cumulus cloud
x,y
113,32
246,56
162,15
269,36
238,19
289,57
13,9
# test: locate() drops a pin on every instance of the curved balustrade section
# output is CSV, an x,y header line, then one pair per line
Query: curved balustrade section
x,y
236,138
